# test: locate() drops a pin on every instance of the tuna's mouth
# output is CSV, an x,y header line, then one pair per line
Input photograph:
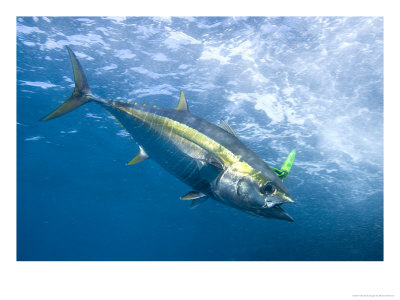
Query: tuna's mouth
x,y
277,201
269,204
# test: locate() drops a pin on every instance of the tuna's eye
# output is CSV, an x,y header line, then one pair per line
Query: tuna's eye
x,y
268,188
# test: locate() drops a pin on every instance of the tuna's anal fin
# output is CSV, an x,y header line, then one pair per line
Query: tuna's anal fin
x,y
197,198
182,105
141,156
225,126
283,172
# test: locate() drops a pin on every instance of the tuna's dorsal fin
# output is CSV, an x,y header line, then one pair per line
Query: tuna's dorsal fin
x,y
225,126
141,156
193,195
197,202
182,105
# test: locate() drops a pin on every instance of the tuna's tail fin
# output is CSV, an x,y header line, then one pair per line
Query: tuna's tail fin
x,y
81,94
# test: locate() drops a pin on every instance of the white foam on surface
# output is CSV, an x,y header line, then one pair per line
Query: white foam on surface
x,y
144,71
108,67
176,39
43,85
34,138
214,53
160,57
162,89
124,54
23,29
83,56
29,44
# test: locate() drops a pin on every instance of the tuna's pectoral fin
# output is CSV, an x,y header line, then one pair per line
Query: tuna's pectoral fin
x,y
209,169
193,195
141,156
225,126
196,197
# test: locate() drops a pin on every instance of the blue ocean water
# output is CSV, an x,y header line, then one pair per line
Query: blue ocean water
x,y
310,84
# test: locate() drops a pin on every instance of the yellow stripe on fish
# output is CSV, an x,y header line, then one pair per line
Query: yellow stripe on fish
x,y
229,159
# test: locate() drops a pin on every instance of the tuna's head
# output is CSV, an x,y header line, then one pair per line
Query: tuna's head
x,y
253,192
